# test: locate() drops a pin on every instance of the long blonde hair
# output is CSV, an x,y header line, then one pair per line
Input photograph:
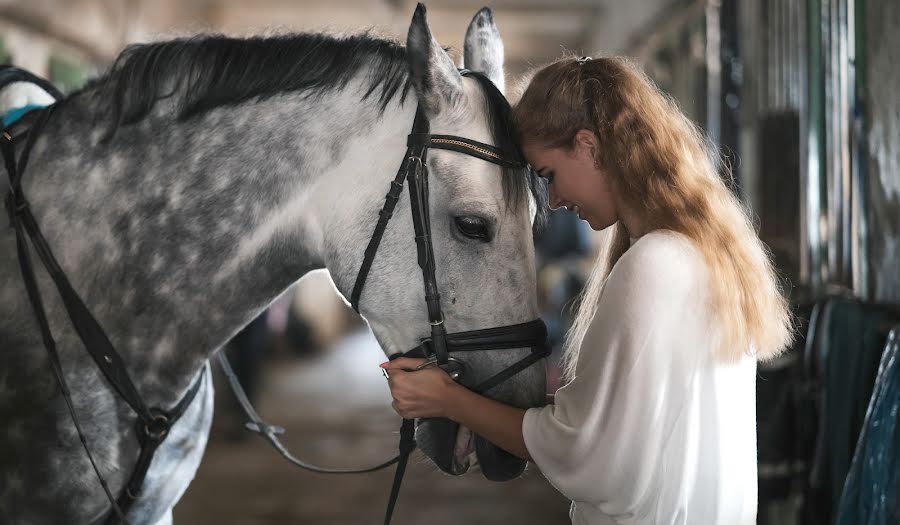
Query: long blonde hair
x,y
665,169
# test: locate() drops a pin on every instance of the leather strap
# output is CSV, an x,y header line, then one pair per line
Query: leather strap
x,y
532,334
156,422
87,327
407,445
10,74
528,334
37,306
470,147
419,203
270,433
384,216
151,437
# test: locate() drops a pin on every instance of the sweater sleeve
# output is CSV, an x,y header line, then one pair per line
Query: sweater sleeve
x,y
603,437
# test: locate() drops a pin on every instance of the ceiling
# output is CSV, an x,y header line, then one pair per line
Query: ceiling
x,y
534,31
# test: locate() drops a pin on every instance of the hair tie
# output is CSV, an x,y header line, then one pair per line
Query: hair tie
x,y
582,60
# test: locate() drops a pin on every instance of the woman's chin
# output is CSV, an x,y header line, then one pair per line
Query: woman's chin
x,y
596,224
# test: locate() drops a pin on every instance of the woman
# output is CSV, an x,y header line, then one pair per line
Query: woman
x,y
656,422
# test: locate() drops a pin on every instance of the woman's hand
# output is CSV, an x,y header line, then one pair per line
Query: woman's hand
x,y
418,393
430,392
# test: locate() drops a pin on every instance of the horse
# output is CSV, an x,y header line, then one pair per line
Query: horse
x,y
195,181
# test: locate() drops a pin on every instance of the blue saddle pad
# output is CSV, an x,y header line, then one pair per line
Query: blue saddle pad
x,y
16,113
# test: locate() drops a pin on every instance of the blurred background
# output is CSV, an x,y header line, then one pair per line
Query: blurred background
x,y
800,95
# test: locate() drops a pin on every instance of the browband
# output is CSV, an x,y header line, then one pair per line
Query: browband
x,y
459,144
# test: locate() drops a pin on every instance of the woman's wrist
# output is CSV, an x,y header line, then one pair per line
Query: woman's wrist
x,y
454,402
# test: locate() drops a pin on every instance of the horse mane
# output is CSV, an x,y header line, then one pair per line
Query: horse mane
x,y
207,71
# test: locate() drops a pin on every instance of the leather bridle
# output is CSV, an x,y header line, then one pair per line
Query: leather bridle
x,y
414,171
153,424
436,348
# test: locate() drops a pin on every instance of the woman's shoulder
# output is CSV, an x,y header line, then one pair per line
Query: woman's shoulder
x,y
661,259
664,251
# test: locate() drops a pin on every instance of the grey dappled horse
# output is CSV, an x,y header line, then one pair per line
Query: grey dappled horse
x,y
194,183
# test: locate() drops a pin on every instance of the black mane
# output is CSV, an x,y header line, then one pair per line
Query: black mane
x,y
208,71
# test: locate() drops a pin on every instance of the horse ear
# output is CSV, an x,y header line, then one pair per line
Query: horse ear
x,y
483,50
435,78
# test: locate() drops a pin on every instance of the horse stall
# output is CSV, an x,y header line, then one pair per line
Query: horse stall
x,y
799,97
795,95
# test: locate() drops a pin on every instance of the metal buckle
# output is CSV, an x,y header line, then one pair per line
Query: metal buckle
x,y
417,161
455,368
157,428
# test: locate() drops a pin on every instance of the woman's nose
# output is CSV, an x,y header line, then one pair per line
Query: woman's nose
x,y
553,199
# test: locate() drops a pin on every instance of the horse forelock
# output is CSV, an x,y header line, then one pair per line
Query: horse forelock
x,y
517,182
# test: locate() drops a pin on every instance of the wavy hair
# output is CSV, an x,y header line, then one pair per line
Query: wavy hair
x,y
663,167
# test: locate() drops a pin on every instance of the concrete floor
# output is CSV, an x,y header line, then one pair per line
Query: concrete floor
x,y
335,408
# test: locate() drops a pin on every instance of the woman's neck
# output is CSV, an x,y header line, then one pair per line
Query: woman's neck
x,y
635,224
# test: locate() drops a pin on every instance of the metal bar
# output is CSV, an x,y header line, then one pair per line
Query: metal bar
x,y
813,185
713,71
858,153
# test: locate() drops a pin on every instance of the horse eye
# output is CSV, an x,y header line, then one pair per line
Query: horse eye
x,y
473,228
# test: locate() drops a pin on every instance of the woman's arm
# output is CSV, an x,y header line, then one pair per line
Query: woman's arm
x,y
431,393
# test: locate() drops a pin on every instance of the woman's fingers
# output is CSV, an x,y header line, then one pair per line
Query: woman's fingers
x,y
405,409
419,393
402,363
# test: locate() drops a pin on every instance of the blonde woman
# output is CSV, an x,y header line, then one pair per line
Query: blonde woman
x,y
656,422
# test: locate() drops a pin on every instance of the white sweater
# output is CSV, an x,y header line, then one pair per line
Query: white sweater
x,y
652,430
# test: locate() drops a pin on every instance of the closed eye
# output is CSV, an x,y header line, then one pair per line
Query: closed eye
x,y
547,175
474,227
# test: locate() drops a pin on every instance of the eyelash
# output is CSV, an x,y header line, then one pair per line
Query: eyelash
x,y
549,177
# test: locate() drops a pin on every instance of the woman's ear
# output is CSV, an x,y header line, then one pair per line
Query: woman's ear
x,y
586,143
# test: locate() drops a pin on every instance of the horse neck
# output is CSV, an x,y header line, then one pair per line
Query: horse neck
x,y
177,235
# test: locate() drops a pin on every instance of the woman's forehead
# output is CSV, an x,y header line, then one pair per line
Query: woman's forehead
x,y
537,155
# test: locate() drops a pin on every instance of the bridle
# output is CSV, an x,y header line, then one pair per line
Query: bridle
x,y
436,348
153,424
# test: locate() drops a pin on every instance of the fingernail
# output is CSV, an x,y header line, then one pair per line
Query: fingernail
x,y
382,365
